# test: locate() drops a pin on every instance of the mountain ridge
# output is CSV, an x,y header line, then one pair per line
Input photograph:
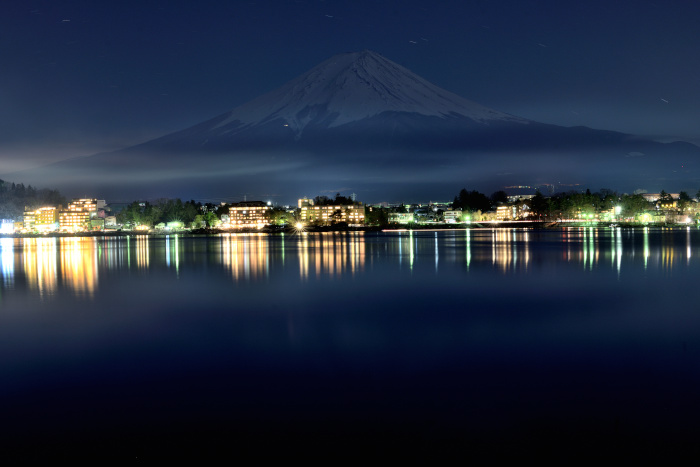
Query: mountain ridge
x,y
359,113
349,87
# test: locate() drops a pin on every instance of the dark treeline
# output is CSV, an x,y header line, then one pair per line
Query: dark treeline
x,y
570,204
14,198
189,213
169,210
472,201
338,200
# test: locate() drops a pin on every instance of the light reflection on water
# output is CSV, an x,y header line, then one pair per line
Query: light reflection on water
x,y
75,264
78,259
245,256
7,260
571,330
39,264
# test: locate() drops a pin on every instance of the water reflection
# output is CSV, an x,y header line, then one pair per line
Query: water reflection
x,y
39,264
668,252
115,252
7,260
688,249
46,265
78,257
246,255
330,253
646,247
172,251
510,249
142,251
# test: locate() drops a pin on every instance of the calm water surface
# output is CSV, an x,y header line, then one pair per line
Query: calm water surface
x,y
490,339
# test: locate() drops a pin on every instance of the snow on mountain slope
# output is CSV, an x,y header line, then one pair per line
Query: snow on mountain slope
x,y
351,87
361,119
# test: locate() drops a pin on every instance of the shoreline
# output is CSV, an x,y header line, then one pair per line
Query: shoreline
x,y
329,229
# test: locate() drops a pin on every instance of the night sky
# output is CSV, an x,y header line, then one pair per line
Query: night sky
x,y
80,77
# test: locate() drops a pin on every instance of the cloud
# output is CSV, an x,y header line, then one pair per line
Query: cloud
x,y
337,190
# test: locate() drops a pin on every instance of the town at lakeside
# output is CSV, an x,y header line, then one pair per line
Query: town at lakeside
x,y
26,211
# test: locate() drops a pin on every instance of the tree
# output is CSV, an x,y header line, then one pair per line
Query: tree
x,y
604,192
15,199
336,217
499,196
633,205
684,201
539,205
280,216
377,216
211,219
471,201
198,221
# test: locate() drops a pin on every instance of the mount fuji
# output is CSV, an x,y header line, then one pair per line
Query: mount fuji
x,y
361,122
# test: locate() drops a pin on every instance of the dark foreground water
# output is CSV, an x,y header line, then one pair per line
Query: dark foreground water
x,y
473,342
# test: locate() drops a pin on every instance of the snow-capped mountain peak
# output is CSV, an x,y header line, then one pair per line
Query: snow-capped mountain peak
x,y
353,86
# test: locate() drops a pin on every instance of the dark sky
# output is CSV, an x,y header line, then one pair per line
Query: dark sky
x,y
79,77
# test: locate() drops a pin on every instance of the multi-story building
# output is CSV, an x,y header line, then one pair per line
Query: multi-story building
x,y
42,220
516,198
506,212
77,215
29,221
453,216
400,218
351,214
7,226
653,197
667,204
426,215
249,215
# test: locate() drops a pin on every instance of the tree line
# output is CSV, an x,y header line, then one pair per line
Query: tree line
x,y
15,198
169,210
570,204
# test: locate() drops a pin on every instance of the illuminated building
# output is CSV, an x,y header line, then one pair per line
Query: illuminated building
x,y
7,226
667,205
425,215
653,197
352,214
76,217
400,217
453,216
29,221
97,224
42,220
249,215
506,213
524,211
516,198
437,205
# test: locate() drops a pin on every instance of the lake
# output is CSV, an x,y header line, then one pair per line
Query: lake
x,y
469,341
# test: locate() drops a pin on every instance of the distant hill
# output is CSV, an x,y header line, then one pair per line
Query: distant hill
x,y
361,122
